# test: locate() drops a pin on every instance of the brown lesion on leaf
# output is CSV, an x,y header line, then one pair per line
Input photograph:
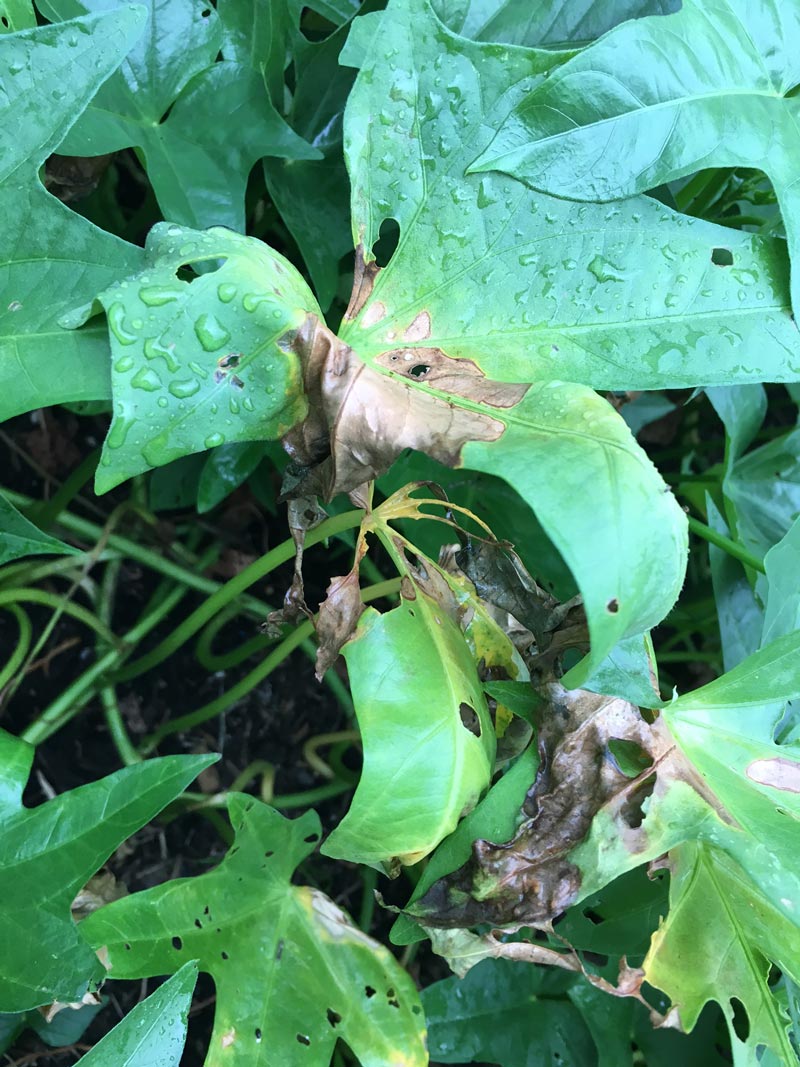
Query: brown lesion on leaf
x,y
459,377
363,283
419,329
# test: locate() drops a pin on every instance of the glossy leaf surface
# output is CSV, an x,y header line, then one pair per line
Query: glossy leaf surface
x,y
154,1032
48,853
198,170
292,973
52,259
196,364
18,537
719,96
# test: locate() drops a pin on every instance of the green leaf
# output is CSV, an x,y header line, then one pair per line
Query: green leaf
x,y
65,1028
16,15
493,819
716,944
782,564
515,280
764,488
196,364
228,467
428,739
292,974
547,24
501,1012
629,671
48,853
154,1032
718,96
739,614
53,72
201,125
18,537
312,194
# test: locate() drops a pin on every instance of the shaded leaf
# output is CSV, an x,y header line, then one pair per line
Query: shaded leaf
x,y
198,170
720,96
764,488
782,566
227,467
18,537
154,1031
197,364
312,976
53,72
548,24
48,853
739,614
629,671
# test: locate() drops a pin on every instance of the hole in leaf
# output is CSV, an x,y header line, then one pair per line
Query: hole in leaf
x,y
632,811
165,116
386,245
722,257
303,1039
205,13
198,924
629,758
369,991
236,382
419,371
334,1018
311,838
469,718
229,360
593,917
269,853
4,20
224,955
177,943
127,947
279,949
258,1033
740,1021
612,606
206,910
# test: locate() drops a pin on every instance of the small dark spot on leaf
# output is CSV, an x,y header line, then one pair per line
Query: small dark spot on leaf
x,y
269,853
419,371
237,382
416,1010
258,1033
205,13
206,910
394,1002
303,1039
198,924
369,991
311,838
225,955
593,917
127,947
279,949
177,944
334,1018
229,360
612,606
219,376
722,257
4,20
740,1021
469,718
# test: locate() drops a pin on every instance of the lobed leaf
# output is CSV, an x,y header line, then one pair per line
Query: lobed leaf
x,y
53,72
48,853
292,974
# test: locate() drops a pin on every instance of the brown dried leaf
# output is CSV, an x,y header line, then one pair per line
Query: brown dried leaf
x,y
338,617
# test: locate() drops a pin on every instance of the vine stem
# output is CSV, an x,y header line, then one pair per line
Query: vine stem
x,y
733,548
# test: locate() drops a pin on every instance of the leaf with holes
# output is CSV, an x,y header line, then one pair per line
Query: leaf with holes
x,y
628,114
312,977
51,74
48,853
196,363
198,169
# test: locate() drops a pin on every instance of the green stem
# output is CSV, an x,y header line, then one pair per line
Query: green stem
x,y
57,603
23,644
733,548
108,693
233,588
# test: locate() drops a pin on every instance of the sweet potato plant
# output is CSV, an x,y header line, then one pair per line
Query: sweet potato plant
x,y
483,296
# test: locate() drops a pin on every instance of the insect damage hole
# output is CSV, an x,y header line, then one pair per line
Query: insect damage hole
x,y
177,943
612,607
740,1020
722,257
303,1039
334,1018
419,371
469,718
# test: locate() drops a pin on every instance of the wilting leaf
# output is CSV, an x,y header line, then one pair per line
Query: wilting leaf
x,y
547,24
428,739
312,976
200,124
51,258
48,853
153,1032
18,537
196,364
719,96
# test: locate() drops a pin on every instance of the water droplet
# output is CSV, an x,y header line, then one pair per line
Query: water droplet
x,y
154,349
248,404
486,196
214,439
201,372
162,401
671,300
184,387
120,428
15,305
605,271
251,300
226,292
210,332
527,259
16,67
123,365
118,326
234,406
174,231
146,379
157,295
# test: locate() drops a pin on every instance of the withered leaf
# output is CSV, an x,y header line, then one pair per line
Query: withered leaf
x,y
338,617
